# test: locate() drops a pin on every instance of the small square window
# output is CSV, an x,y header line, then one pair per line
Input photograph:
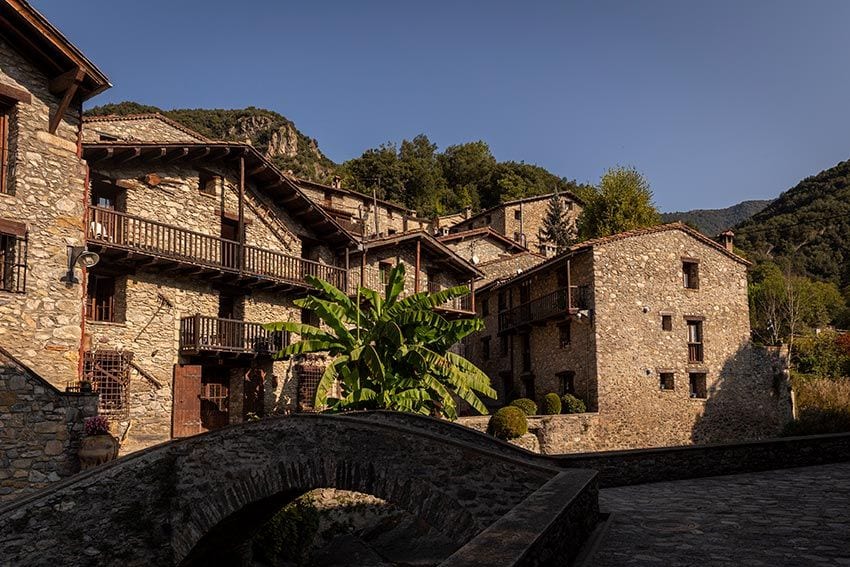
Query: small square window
x,y
567,381
697,385
485,348
518,214
564,334
667,380
100,304
690,274
666,322
207,182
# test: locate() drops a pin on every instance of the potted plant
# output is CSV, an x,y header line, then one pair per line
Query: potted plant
x,y
98,446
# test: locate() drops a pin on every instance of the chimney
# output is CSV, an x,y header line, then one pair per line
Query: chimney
x,y
467,212
337,182
728,240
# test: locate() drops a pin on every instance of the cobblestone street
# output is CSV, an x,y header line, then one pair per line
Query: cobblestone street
x,y
787,517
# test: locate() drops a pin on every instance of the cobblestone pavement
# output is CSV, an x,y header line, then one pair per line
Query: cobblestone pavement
x,y
796,517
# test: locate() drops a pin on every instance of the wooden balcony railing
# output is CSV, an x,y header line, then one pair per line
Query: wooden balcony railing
x,y
695,352
550,305
199,333
113,229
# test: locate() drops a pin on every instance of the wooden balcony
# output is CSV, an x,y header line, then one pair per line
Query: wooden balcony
x,y
137,240
200,334
549,306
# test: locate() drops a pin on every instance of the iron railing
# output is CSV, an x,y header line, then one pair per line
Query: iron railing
x,y
200,333
113,229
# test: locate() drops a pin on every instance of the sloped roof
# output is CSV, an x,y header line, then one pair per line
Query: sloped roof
x,y
434,245
39,41
486,232
572,196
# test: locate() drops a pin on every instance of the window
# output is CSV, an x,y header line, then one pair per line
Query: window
x,y
108,371
5,112
569,205
207,182
526,352
485,348
666,380
697,385
485,307
695,351
517,236
518,214
310,318
503,345
13,257
568,382
690,274
391,231
503,304
101,298
564,334
666,322
384,269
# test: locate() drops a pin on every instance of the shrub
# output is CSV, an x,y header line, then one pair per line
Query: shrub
x,y
508,423
526,405
823,406
571,404
551,404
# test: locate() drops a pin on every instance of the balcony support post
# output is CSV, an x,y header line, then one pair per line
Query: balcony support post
x,y
241,228
569,288
472,295
363,268
347,268
418,264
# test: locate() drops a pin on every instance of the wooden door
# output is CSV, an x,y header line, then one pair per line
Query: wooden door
x,y
229,247
254,392
215,397
186,411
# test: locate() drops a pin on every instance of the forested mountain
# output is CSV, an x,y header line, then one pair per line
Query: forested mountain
x,y
807,227
413,173
712,222
268,131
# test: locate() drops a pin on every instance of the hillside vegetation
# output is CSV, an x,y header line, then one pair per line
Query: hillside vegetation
x,y
712,222
806,229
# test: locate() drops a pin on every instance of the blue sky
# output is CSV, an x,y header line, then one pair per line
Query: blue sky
x,y
715,101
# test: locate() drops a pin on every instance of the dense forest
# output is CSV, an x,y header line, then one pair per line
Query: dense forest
x,y
413,173
712,222
807,228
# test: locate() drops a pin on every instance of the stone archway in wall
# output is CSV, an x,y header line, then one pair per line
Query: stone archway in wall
x,y
175,503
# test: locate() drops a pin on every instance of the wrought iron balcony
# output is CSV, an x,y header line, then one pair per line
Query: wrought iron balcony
x,y
116,231
201,334
551,305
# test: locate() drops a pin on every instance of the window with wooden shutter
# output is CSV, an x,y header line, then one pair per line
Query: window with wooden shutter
x,y
5,186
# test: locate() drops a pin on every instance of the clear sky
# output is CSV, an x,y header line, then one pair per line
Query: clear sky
x,y
714,101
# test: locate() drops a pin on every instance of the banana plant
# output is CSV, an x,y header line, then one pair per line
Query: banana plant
x,y
388,352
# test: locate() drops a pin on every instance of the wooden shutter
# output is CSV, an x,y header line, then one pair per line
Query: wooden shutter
x,y
186,413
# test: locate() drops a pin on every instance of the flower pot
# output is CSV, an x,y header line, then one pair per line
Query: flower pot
x,y
97,449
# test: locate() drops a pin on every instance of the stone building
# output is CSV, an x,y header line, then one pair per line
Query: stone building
x,y
522,220
650,328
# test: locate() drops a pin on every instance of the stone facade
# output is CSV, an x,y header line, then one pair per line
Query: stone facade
x,y
139,127
40,429
659,362
522,220
45,185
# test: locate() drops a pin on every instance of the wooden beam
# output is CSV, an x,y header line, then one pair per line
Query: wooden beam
x,y
259,169
79,75
181,153
133,154
14,93
31,47
154,154
63,82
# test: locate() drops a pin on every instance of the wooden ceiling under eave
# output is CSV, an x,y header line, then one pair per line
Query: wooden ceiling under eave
x,y
258,170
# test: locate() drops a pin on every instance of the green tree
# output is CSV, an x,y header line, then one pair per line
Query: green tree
x,y
623,201
556,229
424,185
376,169
389,352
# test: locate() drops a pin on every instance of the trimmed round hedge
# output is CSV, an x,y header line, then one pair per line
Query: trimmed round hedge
x,y
551,404
526,405
508,423
571,404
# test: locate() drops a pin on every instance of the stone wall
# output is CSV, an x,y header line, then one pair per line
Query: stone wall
x,y
142,127
483,246
40,429
553,434
46,189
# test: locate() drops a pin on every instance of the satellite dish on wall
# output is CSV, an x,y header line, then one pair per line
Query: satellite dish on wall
x,y
475,260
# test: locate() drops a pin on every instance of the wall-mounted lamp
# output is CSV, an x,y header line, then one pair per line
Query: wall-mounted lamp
x,y
78,255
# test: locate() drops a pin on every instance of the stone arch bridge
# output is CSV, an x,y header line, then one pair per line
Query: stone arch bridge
x,y
189,502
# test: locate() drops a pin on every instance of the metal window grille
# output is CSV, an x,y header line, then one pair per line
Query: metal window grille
x,y
13,263
216,393
101,298
308,383
108,371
